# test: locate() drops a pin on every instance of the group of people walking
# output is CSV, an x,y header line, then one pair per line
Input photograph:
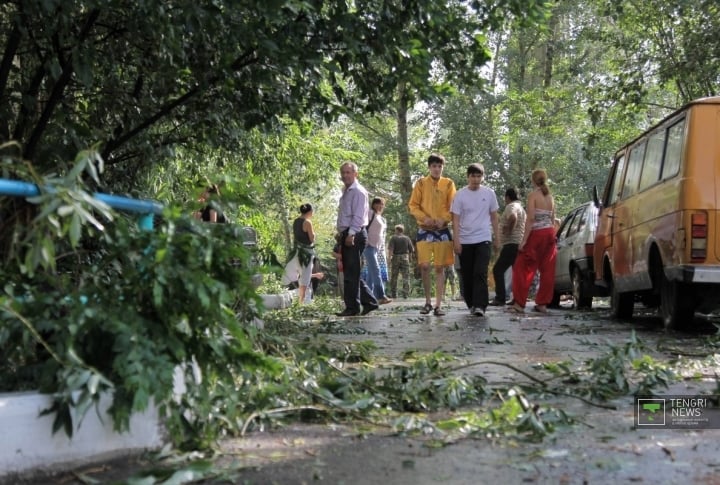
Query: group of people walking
x,y
462,224
451,222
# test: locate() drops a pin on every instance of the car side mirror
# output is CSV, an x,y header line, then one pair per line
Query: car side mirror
x,y
596,199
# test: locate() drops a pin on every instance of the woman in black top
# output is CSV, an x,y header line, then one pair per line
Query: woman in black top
x,y
300,259
211,212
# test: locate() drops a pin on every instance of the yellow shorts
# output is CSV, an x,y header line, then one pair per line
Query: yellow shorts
x,y
439,252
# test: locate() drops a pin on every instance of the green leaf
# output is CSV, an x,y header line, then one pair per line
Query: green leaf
x,y
63,419
75,230
93,384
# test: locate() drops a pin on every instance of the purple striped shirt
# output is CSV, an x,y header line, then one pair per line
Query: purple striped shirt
x,y
353,210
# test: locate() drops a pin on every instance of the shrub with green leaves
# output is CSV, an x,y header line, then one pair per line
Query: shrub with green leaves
x,y
91,303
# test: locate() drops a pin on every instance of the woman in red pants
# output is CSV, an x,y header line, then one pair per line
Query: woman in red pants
x,y
537,250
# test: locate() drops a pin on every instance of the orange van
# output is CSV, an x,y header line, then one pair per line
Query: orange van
x,y
658,235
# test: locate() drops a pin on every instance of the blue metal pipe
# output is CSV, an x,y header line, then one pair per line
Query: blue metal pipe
x,y
18,188
130,205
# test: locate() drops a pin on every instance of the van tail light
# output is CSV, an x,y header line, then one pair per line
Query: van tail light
x,y
698,236
589,249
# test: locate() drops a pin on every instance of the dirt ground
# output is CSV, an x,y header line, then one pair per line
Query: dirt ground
x,y
603,447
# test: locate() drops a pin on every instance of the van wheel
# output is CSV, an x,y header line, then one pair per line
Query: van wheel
x,y
580,293
621,304
676,304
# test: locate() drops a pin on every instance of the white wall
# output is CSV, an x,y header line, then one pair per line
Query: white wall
x,y
27,442
27,445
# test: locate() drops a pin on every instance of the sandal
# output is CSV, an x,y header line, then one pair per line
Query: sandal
x,y
438,312
540,309
515,309
426,309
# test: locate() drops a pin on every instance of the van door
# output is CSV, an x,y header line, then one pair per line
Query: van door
x,y
623,226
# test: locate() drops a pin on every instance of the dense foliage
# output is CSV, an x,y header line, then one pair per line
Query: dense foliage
x,y
141,78
267,98
91,304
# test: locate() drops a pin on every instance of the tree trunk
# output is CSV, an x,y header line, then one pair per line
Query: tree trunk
x,y
404,153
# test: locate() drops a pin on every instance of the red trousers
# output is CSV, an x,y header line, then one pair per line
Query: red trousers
x,y
538,254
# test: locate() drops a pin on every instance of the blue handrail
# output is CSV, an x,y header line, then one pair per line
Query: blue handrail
x,y
147,208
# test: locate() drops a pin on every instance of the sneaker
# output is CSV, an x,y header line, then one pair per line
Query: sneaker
x,y
472,310
497,303
479,312
426,309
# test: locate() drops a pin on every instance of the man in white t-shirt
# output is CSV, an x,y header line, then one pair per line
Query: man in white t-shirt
x,y
475,226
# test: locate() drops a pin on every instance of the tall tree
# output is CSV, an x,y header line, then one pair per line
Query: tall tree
x,y
672,44
540,108
139,78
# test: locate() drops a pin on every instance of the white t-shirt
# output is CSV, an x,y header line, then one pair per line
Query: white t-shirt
x,y
473,208
376,231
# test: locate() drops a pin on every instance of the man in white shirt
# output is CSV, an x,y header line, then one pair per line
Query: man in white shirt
x,y
352,221
475,225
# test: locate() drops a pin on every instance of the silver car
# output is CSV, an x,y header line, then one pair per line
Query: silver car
x,y
574,264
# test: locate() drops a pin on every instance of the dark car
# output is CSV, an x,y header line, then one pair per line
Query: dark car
x,y
574,265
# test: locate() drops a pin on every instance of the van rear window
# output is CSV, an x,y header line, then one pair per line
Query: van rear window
x,y
635,161
673,152
653,160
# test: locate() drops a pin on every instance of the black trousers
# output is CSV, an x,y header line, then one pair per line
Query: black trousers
x,y
508,253
356,291
474,262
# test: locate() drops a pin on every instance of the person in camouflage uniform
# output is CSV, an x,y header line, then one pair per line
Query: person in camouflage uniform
x,y
400,249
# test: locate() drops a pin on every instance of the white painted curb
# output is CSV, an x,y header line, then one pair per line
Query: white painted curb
x,y
27,442
28,447
279,301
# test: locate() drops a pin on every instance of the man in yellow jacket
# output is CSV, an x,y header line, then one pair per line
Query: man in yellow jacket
x,y
430,206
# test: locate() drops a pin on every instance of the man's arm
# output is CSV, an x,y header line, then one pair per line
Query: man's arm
x,y
415,205
456,237
510,223
359,207
450,195
411,246
496,231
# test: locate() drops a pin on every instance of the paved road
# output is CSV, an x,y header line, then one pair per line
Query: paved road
x,y
604,449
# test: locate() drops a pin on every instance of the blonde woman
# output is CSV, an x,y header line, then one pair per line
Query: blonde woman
x,y
537,249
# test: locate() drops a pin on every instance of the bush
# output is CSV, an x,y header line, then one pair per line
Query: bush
x,y
91,303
